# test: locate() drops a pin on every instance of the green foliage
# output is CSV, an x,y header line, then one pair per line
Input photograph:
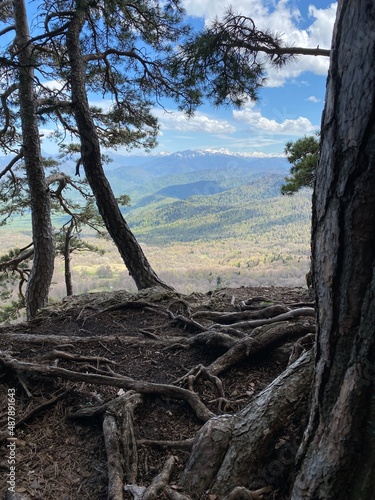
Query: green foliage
x,y
14,272
254,208
223,59
11,311
303,155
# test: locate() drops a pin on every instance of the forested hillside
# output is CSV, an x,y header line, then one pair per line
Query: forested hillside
x,y
204,219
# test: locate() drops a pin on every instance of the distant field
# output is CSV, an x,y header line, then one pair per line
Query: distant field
x,y
280,256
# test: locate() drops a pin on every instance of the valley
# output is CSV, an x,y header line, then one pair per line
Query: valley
x,y
205,220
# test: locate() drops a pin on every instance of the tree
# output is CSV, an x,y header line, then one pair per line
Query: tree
x,y
303,155
15,266
128,122
41,274
337,459
229,56
131,252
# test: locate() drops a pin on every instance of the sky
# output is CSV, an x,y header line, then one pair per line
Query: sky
x,y
289,106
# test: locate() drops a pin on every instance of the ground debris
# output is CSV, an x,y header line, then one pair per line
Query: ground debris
x,y
153,338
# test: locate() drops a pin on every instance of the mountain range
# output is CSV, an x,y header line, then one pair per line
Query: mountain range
x,y
192,195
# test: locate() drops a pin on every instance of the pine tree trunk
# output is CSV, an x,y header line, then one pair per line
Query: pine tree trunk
x,y
337,459
130,251
67,260
40,203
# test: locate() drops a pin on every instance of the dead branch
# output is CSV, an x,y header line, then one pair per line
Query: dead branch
x,y
143,387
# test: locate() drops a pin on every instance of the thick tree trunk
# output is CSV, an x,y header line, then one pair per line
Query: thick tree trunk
x,y
40,203
245,449
131,252
337,460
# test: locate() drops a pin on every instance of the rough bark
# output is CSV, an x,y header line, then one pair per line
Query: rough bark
x,y
130,251
40,203
234,450
338,453
121,448
67,261
267,337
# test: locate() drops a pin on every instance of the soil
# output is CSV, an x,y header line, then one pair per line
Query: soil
x,y
60,458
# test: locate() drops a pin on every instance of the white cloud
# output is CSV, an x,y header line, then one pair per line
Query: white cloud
x,y
54,84
253,118
199,122
285,19
314,99
320,31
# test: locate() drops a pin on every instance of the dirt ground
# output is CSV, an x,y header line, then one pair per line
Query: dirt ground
x,y
58,457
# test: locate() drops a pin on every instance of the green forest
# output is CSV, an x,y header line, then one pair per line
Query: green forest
x,y
249,235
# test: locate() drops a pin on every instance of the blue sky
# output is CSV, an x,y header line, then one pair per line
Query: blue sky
x,y
291,104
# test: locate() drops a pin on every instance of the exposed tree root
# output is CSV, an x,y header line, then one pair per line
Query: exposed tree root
x,y
265,337
295,313
233,455
233,317
201,411
71,340
160,482
120,444
74,357
231,449
241,493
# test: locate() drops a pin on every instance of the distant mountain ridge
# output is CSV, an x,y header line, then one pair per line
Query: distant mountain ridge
x,y
139,175
195,194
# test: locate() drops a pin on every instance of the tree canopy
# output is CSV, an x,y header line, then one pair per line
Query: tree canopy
x,y
133,55
303,155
